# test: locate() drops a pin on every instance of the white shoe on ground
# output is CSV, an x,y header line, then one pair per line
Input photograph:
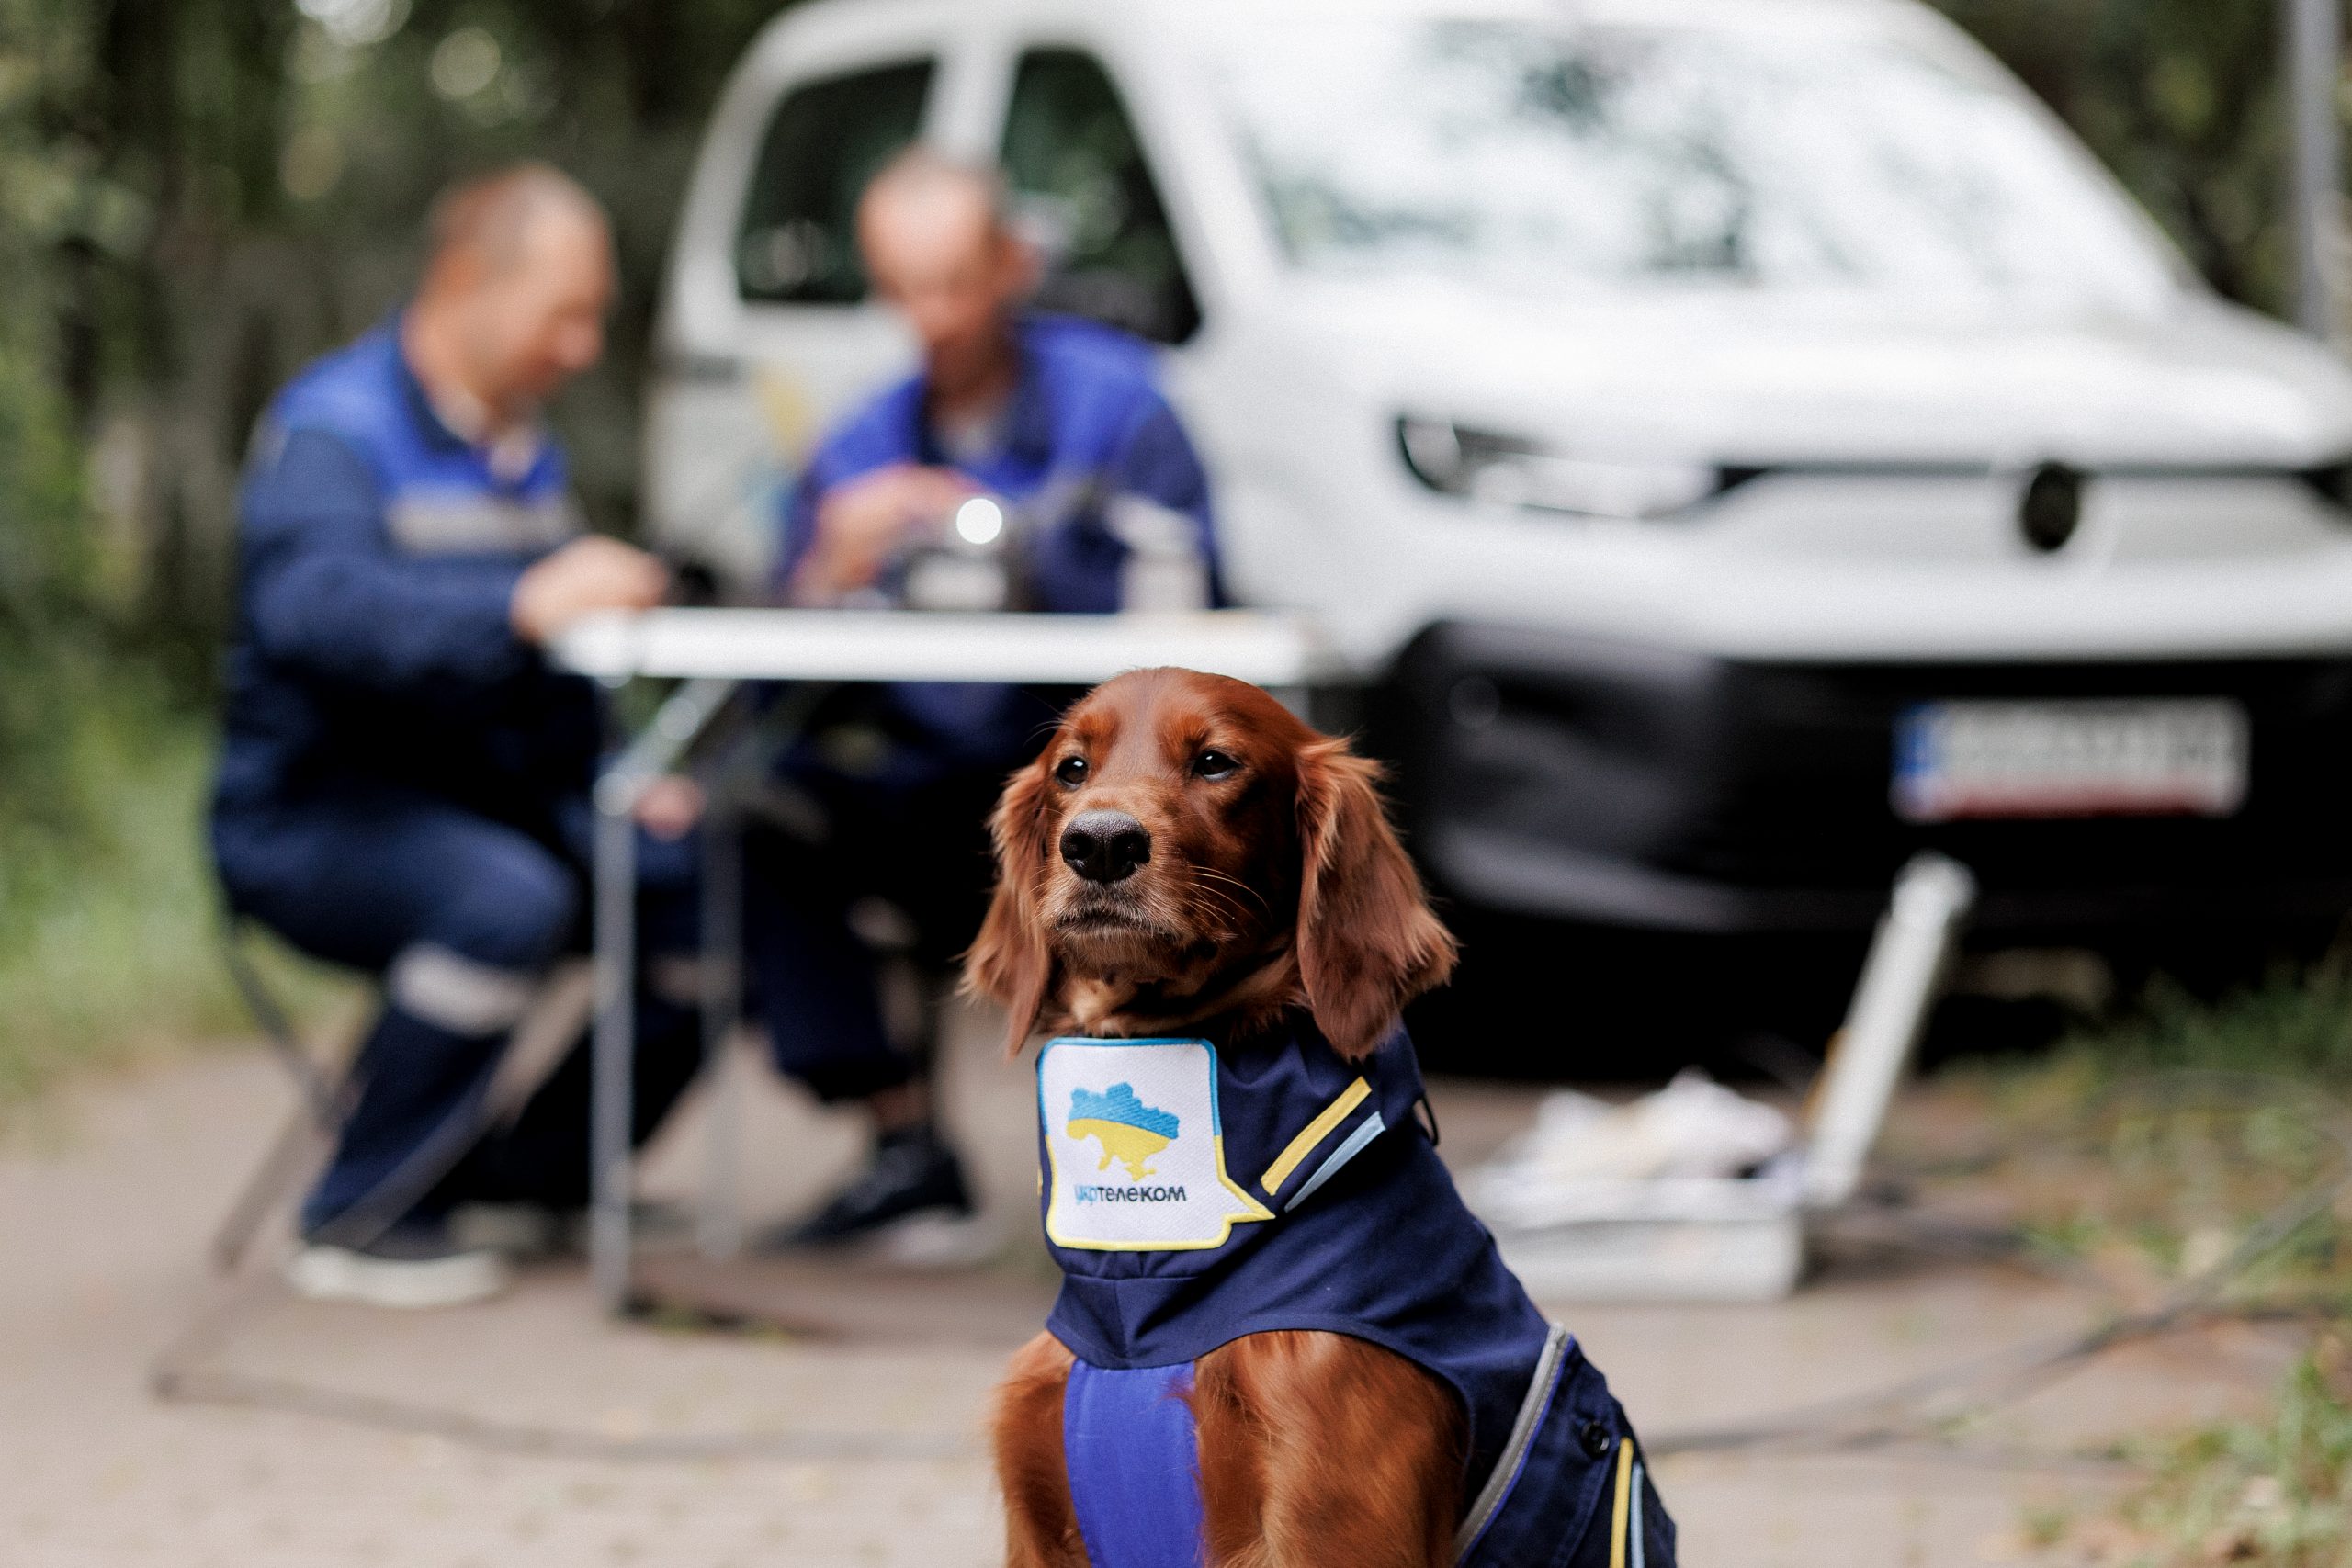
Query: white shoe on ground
x,y
408,1269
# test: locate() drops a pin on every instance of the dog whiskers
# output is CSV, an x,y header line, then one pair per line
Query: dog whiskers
x,y
1213,875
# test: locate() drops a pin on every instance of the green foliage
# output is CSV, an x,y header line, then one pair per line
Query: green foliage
x,y
2296,1022
196,196
107,939
45,647
2150,1146
2179,98
2144,1152
2275,1493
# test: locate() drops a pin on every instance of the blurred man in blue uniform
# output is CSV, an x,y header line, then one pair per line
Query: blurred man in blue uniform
x,y
403,784
1056,430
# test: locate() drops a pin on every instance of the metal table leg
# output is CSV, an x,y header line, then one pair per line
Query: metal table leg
x,y
681,719
615,1044
718,1228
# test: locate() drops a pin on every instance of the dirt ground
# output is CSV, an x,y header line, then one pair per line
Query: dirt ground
x,y
592,1442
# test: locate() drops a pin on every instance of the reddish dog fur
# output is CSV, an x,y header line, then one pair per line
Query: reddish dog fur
x,y
1274,881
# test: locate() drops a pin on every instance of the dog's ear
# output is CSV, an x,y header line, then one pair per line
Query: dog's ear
x,y
1367,942
1010,964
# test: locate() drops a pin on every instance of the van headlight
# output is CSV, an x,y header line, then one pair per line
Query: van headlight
x,y
1510,470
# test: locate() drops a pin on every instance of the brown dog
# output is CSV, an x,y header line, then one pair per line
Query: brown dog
x,y
1187,858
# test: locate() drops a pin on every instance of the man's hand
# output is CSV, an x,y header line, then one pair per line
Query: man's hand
x,y
586,575
670,806
860,522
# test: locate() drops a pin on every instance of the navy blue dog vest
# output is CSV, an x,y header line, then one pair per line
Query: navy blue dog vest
x,y
1194,1193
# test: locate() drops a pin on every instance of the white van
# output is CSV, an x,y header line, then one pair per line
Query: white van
x,y
1737,442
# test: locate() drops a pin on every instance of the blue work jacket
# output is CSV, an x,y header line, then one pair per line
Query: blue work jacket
x,y
378,554
1086,418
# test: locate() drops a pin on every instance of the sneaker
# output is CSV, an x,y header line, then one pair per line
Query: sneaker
x,y
913,1172
410,1266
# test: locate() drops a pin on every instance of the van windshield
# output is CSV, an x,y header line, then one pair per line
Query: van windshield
x,y
1532,153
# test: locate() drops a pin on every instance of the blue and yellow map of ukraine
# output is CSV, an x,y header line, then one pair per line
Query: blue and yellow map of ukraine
x,y
1129,1131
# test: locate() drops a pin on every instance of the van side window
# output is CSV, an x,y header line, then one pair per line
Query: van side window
x,y
1078,177
797,243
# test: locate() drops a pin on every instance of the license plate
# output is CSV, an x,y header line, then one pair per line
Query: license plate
x,y
2159,758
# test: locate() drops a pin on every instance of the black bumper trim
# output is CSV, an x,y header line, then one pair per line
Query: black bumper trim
x,y
1556,882
1549,774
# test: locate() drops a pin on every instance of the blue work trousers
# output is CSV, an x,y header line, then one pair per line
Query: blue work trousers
x,y
924,851
461,910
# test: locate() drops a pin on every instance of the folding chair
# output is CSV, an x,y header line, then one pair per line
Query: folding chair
x,y
322,1096
554,1022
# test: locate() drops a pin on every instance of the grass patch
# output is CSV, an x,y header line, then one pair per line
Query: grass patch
x,y
2153,1144
2144,1152
107,943
2271,1494
2294,1022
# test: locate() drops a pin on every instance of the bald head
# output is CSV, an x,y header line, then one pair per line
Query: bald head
x,y
514,292
922,200
936,246
493,220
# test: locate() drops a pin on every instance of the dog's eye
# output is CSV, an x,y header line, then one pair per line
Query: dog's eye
x,y
1072,771
1214,765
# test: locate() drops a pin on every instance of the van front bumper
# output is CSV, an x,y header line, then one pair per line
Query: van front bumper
x,y
1544,773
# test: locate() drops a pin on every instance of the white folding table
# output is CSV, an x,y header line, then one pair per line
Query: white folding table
x,y
713,652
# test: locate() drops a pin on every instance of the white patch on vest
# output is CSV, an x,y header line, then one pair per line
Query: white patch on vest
x,y
1133,1146
425,521
451,991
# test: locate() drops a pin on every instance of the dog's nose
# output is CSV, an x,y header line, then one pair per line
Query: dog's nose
x,y
1105,846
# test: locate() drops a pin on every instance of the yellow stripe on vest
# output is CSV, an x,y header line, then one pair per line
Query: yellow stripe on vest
x,y
1314,1133
1618,1514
